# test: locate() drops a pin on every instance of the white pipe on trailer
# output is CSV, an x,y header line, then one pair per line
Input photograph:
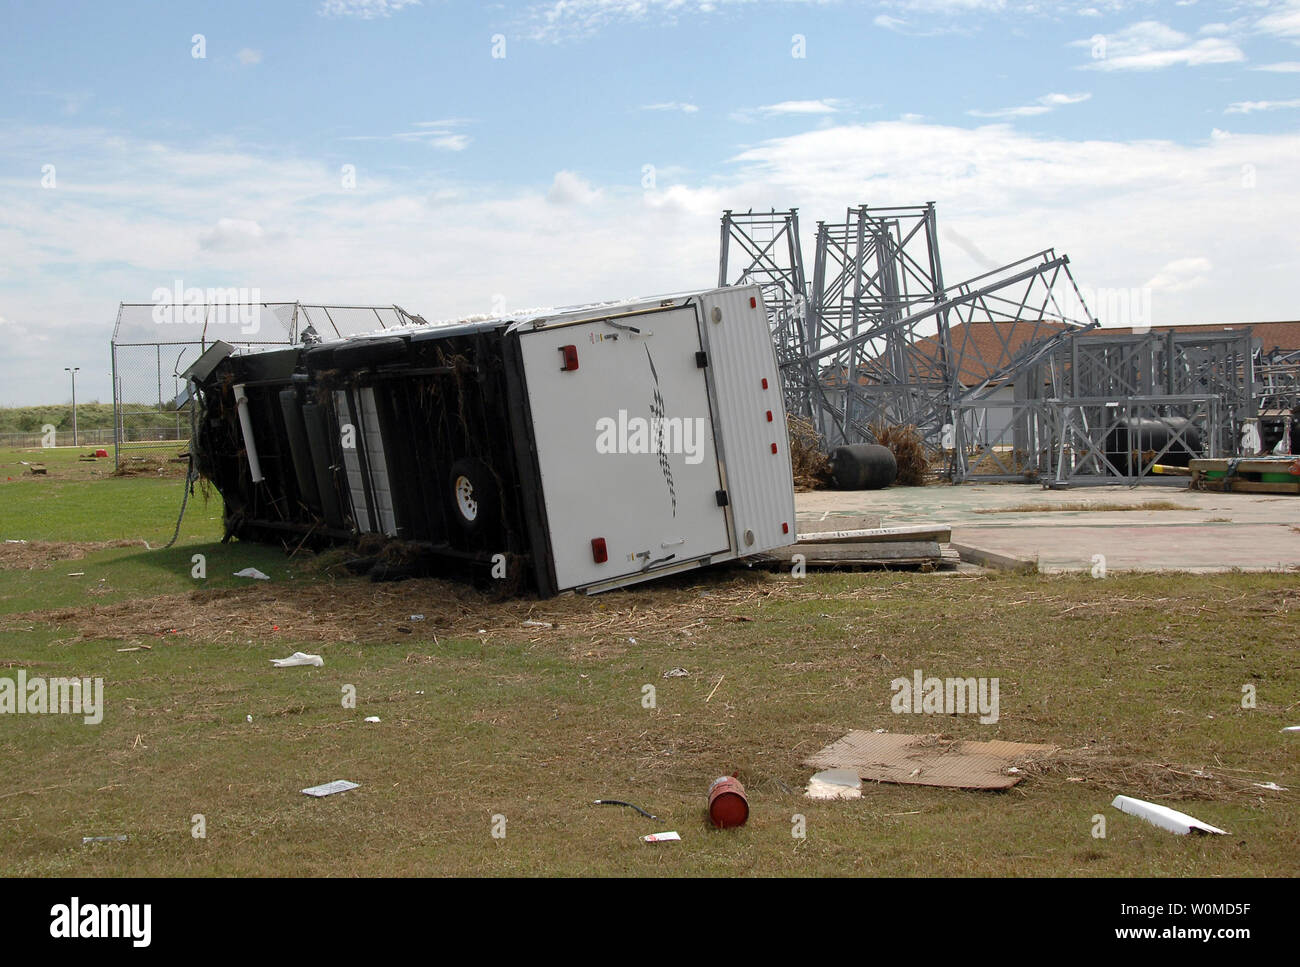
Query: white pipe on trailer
x,y
246,425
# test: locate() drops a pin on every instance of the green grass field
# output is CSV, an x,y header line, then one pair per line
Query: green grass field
x,y
1138,679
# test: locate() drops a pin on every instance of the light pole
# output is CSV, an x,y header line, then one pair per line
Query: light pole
x,y
73,371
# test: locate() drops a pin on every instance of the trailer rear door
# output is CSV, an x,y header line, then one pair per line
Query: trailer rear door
x,y
625,445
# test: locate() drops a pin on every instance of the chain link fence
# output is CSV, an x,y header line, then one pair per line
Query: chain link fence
x,y
154,343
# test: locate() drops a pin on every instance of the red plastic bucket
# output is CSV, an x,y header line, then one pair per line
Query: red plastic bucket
x,y
728,806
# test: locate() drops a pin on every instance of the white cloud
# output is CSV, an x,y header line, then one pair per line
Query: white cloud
x,y
1250,107
232,234
1283,22
248,57
436,134
569,188
1044,104
1128,213
1150,45
685,108
1179,275
821,107
801,107
1283,67
363,9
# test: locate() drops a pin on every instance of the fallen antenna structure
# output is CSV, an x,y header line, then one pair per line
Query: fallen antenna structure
x,y
1002,375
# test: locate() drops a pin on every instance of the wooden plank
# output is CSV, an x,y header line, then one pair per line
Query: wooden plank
x,y
1245,465
1254,487
978,555
828,524
936,533
857,553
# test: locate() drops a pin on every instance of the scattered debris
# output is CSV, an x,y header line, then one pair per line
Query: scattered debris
x,y
929,760
137,648
250,718
676,673
417,617
252,572
811,466
372,718
835,784
715,688
728,805
102,839
661,838
908,448
1164,817
330,788
76,574
1270,786
530,623
1292,728
620,802
298,658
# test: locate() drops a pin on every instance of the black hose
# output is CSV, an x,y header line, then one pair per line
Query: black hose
x,y
619,802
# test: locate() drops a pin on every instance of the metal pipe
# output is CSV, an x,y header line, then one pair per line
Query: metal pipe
x,y
246,425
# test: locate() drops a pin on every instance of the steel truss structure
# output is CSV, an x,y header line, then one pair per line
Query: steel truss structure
x,y
1000,374
1279,381
1075,405
875,343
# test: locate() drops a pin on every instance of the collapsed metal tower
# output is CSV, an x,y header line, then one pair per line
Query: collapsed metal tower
x,y
879,338
999,374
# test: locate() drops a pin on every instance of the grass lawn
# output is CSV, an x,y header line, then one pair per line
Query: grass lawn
x,y
1138,679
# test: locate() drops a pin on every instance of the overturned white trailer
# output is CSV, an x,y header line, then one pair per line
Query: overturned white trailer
x,y
583,449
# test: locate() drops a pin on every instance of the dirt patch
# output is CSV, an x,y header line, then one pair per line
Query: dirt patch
x,y
152,467
1083,505
1153,780
41,555
360,611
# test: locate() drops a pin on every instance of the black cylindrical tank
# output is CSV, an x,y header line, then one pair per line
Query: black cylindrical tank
x,y
1145,435
863,466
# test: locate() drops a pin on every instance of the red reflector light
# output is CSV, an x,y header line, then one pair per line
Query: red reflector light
x,y
599,553
785,528
753,303
769,416
764,382
774,448
570,358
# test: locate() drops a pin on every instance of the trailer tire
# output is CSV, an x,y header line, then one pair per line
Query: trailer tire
x,y
472,496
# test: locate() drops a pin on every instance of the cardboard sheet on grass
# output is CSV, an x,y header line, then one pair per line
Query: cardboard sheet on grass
x,y
928,760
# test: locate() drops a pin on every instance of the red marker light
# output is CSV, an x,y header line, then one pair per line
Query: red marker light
x,y
774,448
753,303
764,382
785,528
570,358
769,416
599,553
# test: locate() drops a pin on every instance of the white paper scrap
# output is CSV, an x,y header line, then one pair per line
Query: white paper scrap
x,y
330,788
662,838
298,658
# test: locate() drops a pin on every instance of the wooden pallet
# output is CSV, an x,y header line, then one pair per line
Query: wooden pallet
x,y
1256,475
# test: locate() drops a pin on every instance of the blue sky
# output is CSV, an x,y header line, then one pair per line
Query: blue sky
x,y
1155,142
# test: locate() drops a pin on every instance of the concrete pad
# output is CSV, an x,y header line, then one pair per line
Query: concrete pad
x,y
1016,522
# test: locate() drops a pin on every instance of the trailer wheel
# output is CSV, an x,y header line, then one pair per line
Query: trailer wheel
x,y
472,496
